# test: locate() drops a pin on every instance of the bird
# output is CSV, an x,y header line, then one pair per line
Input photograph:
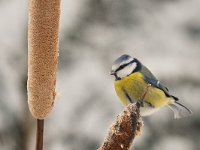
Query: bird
x,y
134,83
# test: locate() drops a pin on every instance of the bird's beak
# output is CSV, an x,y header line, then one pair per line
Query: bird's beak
x,y
112,73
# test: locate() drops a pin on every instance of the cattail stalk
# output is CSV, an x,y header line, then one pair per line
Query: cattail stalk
x,y
39,134
43,26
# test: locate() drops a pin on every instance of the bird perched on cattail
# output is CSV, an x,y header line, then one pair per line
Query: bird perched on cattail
x,y
133,81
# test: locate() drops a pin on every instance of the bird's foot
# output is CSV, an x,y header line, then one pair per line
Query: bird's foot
x,y
140,103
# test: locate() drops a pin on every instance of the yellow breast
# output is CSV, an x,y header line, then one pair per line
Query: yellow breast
x,y
135,86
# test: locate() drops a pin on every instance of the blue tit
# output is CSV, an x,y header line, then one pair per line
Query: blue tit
x,y
135,83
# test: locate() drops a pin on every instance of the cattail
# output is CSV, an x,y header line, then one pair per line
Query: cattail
x,y
42,55
124,129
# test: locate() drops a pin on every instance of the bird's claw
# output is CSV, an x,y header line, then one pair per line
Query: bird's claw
x,y
140,103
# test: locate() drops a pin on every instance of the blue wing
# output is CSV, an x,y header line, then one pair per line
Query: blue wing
x,y
157,84
151,79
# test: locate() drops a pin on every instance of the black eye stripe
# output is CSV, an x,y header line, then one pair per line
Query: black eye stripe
x,y
124,65
121,67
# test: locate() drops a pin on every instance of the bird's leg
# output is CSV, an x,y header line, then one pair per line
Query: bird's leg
x,y
145,92
141,100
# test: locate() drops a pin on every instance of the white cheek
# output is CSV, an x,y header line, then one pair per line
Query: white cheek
x,y
121,74
126,71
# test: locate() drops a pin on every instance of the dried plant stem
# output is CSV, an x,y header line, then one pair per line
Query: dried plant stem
x,y
43,31
39,134
124,129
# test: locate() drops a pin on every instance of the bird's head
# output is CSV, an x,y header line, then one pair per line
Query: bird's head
x,y
124,66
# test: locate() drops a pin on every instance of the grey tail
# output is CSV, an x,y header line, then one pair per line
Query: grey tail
x,y
180,110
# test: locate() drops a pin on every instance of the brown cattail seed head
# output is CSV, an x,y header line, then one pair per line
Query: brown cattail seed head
x,y
42,55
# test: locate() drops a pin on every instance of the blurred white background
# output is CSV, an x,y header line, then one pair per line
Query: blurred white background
x,y
163,34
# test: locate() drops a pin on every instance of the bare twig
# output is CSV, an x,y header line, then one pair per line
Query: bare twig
x,y
39,134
